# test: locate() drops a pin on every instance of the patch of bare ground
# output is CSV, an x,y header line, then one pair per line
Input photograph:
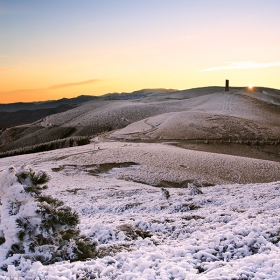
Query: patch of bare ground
x,y
111,250
95,169
184,184
254,149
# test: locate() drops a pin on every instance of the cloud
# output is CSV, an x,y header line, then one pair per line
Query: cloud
x,y
73,84
243,65
45,90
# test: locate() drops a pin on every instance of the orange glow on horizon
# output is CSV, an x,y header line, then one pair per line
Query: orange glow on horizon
x,y
91,48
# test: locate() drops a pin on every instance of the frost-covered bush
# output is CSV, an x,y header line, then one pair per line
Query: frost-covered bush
x,y
36,226
165,193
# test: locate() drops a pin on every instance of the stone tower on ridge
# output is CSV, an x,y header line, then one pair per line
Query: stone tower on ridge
x,y
227,85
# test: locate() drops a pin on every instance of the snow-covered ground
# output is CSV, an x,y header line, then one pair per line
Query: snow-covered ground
x,y
196,114
214,116
256,107
229,231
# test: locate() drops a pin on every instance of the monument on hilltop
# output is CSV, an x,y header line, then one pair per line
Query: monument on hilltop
x,y
227,85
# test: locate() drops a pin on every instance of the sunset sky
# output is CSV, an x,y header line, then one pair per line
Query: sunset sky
x,y
51,49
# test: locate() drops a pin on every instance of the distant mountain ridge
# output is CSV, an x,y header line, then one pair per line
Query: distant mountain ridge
x,y
19,113
10,119
13,107
138,94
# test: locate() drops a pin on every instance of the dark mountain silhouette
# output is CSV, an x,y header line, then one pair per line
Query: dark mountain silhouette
x,y
19,113
9,119
13,107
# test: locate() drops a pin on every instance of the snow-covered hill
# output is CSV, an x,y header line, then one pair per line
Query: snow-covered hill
x,y
215,116
203,113
204,228
182,185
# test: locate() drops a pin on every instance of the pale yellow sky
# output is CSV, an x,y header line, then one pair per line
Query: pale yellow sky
x,y
55,49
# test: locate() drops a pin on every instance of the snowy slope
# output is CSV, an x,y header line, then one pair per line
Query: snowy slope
x,y
229,231
197,113
158,211
197,125
215,116
237,103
